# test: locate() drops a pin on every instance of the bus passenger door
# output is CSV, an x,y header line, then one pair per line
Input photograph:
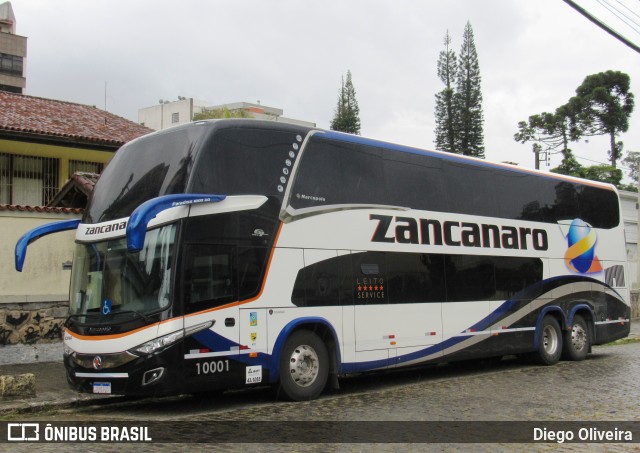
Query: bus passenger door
x,y
209,291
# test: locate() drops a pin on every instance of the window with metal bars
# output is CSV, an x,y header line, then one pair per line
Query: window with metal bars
x,y
28,180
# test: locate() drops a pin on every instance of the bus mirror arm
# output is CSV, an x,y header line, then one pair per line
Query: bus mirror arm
x,y
37,233
140,218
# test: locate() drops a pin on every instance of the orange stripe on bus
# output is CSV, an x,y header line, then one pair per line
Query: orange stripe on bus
x,y
112,336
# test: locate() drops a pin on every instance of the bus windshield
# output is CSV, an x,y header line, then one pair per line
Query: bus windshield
x,y
107,280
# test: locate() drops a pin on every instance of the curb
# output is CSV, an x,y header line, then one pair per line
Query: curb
x,y
24,406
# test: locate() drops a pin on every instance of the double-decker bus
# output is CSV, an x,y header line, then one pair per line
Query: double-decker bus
x,y
239,253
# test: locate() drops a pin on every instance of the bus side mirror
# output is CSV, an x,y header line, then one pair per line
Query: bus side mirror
x,y
140,218
37,233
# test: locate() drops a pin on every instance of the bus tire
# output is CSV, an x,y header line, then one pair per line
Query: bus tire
x,y
304,366
576,340
550,344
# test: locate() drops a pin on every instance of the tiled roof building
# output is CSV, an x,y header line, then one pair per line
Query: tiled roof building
x,y
43,142
55,121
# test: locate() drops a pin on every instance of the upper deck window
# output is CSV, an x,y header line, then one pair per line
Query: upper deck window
x,y
247,161
335,172
223,158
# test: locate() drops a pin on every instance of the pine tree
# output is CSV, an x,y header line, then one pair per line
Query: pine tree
x,y
347,115
445,111
608,104
470,135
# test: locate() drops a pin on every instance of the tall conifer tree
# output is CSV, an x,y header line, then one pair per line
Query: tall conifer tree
x,y
347,115
445,112
470,135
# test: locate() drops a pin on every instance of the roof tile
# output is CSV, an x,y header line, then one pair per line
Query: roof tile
x,y
45,209
49,117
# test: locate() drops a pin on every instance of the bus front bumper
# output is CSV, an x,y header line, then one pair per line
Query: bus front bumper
x,y
152,375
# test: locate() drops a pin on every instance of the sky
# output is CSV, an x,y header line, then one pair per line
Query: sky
x,y
291,54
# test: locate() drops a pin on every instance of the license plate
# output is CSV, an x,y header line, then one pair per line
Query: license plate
x,y
102,387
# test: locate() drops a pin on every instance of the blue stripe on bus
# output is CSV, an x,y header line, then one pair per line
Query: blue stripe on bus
x,y
218,343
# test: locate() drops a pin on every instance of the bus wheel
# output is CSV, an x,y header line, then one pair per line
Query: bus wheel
x,y
576,340
550,347
304,366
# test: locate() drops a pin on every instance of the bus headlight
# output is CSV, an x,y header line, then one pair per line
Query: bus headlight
x,y
157,344
67,351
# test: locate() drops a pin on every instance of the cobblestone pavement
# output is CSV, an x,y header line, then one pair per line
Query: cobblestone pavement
x,y
605,387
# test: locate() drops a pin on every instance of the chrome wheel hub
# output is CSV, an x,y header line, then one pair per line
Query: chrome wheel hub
x,y
304,365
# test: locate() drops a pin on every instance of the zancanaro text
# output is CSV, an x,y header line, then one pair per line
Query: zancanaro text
x,y
106,228
407,230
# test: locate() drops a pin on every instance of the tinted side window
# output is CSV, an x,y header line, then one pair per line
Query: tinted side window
x,y
415,181
398,278
599,207
517,196
155,165
470,189
414,277
251,264
469,278
370,278
246,161
249,233
515,274
324,283
333,173
210,276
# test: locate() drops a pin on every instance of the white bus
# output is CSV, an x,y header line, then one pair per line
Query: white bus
x,y
238,253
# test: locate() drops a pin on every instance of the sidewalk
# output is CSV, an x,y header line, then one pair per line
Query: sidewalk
x,y
52,390
45,362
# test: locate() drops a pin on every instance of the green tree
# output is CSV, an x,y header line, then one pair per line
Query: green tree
x,y
607,106
632,162
470,135
445,112
603,173
570,166
216,114
554,131
347,115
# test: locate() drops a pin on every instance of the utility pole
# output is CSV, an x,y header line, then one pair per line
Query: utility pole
x,y
537,151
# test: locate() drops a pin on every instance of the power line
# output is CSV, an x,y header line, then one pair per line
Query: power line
x,y
602,25
627,8
620,15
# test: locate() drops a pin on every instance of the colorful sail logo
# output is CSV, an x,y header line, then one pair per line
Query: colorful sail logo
x,y
581,253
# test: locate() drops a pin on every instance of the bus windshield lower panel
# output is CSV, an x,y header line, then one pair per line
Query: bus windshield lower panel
x,y
111,285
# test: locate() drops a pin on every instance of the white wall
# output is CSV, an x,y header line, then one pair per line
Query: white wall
x,y
629,202
43,278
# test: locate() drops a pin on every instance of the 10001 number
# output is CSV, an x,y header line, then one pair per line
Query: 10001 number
x,y
215,366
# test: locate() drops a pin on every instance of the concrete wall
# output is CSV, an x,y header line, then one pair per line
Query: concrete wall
x,y
629,203
33,303
14,45
158,117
